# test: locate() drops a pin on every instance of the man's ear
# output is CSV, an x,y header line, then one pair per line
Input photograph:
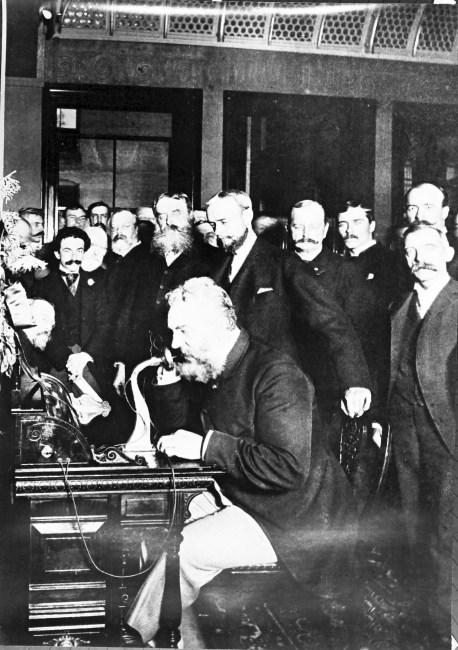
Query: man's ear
x,y
372,226
57,254
325,231
445,211
449,253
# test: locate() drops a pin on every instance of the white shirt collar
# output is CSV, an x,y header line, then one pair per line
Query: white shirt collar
x,y
426,297
171,257
242,253
354,252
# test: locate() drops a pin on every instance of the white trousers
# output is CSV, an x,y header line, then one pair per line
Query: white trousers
x,y
213,539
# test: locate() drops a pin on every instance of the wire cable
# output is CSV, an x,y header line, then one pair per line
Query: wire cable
x,y
89,555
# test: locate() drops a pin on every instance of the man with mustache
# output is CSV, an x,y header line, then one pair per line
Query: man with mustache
x,y
344,281
377,265
422,411
248,410
80,335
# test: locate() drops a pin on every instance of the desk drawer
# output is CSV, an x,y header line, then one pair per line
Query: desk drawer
x,y
145,508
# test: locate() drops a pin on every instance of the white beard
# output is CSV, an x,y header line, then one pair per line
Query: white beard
x,y
172,241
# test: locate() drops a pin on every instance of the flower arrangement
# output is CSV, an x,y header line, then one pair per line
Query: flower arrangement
x,y
16,258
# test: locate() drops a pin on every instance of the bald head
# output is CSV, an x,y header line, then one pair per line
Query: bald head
x,y
308,229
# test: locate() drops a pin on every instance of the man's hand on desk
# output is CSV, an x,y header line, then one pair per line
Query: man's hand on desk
x,y
182,443
356,401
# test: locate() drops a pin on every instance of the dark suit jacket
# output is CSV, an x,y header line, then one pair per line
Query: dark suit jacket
x,y
278,302
94,323
436,358
346,284
260,411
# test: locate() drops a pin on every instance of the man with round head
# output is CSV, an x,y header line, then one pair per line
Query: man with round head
x,y
254,419
422,411
75,216
98,214
124,232
308,228
428,203
277,301
81,332
345,283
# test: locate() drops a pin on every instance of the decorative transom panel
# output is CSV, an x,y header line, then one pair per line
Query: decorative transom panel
x,y
394,26
84,15
294,27
344,28
247,23
438,28
192,22
140,22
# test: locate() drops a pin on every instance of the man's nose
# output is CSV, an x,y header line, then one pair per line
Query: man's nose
x,y
176,339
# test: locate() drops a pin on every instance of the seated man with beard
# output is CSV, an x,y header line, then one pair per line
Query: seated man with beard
x,y
250,413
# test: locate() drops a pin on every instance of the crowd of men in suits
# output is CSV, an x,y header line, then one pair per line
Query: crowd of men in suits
x,y
374,332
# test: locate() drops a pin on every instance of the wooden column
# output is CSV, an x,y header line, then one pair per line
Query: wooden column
x,y
383,168
212,143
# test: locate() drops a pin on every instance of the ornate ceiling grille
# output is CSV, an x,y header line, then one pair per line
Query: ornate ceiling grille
x,y
416,32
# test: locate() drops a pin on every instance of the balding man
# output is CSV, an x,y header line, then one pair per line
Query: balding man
x,y
344,282
278,302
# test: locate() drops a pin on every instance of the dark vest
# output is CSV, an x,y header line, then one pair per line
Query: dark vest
x,y
71,317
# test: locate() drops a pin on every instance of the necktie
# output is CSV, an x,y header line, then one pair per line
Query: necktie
x,y
70,280
225,281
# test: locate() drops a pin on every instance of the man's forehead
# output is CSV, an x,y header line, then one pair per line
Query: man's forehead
x,y
75,212
225,206
167,204
100,209
353,213
425,193
123,219
424,236
72,242
308,213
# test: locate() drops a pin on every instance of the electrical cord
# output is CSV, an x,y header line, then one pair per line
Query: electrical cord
x,y
89,555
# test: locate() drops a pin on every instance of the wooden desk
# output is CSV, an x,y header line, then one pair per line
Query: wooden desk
x,y
125,514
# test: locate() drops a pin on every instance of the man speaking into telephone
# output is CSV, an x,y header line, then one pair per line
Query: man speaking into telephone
x,y
245,407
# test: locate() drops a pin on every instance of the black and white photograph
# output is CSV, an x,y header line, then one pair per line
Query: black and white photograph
x,y
228,324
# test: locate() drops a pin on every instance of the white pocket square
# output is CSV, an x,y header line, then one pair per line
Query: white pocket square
x,y
263,290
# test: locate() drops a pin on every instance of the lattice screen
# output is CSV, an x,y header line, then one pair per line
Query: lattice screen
x,y
344,29
294,27
248,23
394,26
141,22
84,15
438,28
200,23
